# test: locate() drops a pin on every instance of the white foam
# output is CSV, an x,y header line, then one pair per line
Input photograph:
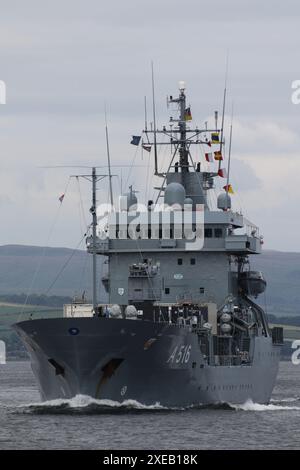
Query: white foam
x,y
83,401
249,405
285,400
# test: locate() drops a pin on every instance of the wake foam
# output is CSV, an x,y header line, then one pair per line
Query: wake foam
x,y
285,400
87,405
249,405
83,404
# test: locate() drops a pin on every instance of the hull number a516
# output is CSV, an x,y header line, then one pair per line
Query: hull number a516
x,y
180,355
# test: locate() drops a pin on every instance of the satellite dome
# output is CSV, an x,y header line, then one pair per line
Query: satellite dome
x,y
174,194
226,317
130,311
188,201
224,201
225,328
115,311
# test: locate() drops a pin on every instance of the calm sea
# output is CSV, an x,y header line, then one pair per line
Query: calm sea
x,y
83,423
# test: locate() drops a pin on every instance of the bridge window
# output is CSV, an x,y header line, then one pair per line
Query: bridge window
x,y
202,290
167,290
193,261
179,261
208,232
218,233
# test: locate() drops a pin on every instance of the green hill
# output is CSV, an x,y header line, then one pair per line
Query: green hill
x,y
282,272
34,269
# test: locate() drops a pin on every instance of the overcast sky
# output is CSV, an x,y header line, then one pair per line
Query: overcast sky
x,y
63,60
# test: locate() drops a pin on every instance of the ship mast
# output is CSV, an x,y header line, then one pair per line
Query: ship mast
x,y
92,241
94,232
182,137
154,122
108,161
183,152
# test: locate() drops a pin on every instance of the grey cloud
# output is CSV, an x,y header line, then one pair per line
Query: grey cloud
x,y
244,177
62,60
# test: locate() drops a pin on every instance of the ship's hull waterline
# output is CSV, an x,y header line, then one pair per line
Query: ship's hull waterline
x,y
119,359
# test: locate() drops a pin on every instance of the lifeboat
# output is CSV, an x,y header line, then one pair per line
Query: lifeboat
x,y
252,283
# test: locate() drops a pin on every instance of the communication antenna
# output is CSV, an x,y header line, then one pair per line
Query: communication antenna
x,y
229,157
108,160
216,119
145,108
154,121
223,110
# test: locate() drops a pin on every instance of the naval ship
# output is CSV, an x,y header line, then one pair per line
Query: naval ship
x,y
181,326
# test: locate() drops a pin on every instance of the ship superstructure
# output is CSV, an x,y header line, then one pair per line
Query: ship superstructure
x,y
181,326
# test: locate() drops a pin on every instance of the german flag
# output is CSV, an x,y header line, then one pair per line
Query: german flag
x,y
188,114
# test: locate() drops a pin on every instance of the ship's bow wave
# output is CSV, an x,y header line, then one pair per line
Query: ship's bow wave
x,y
83,404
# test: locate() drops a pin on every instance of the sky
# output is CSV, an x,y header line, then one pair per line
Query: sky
x,y
64,61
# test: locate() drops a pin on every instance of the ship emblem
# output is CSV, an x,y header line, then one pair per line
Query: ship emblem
x,y
121,290
123,390
178,276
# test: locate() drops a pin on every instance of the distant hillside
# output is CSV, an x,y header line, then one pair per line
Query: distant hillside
x,y
35,268
282,271
18,265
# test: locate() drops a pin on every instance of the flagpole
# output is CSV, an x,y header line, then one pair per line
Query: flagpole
x,y
223,115
108,161
94,232
223,111
145,109
229,158
154,121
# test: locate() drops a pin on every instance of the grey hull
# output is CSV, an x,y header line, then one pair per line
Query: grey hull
x,y
140,360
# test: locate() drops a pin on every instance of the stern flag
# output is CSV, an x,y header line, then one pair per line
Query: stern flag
x,y
147,147
222,172
215,138
188,114
218,155
136,139
209,157
228,188
61,198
